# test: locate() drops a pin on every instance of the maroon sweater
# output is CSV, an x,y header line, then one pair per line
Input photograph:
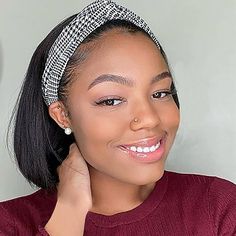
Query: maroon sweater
x,y
179,205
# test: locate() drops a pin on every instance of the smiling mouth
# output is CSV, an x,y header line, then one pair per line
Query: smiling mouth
x,y
147,150
144,149
145,146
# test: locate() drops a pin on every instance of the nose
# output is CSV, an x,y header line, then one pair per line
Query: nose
x,y
145,116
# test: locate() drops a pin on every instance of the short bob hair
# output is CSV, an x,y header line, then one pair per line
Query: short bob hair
x,y
40,145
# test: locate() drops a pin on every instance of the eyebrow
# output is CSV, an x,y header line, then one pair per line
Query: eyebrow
x,y
163,75
126,81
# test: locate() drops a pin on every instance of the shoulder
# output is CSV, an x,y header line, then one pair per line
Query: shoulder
x,y
27,211
216,195
39,200
211,186
199,181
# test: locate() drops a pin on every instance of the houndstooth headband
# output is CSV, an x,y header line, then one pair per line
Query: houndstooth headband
x,y
89,19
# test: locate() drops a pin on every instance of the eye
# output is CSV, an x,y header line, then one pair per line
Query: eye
x,y
109,102
162,94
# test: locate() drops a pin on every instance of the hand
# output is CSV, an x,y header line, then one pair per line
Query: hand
x,y
73,198
74,180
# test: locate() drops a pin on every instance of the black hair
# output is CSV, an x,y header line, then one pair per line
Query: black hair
x,y
40,145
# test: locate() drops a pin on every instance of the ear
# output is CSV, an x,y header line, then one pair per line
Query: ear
x,y
59,114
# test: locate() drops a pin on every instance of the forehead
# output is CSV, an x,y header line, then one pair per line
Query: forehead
x,y
126,54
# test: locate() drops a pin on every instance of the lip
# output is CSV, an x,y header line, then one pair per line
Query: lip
x,y
146,157
144,142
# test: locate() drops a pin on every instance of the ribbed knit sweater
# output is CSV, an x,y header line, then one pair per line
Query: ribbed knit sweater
x,y
179,205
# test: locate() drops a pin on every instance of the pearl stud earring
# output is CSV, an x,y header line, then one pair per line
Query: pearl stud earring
x,y
68,131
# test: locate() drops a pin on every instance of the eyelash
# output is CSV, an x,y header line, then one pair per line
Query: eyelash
x,y
110,101
167,93
106,101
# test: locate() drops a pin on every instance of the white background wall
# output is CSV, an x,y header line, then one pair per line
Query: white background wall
x,y
200,40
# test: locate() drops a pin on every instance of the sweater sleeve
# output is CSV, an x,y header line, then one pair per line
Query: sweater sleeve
x,y
222,206
42,232
8,227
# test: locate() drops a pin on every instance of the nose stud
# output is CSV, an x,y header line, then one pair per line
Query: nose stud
x,y
134,123
136,120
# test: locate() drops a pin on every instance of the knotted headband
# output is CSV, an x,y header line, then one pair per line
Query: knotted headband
x,y
88,20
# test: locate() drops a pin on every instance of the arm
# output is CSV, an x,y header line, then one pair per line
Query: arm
x,y
74,197
222,206
6,223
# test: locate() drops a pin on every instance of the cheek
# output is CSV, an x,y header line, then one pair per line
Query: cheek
x,y
170,118
95,136
95,131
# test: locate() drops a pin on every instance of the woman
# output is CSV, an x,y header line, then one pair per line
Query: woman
x,y
96,118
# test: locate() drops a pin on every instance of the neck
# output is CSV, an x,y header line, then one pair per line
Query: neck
x,y
111,196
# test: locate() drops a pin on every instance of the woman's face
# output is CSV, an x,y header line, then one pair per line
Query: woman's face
x,y
124,77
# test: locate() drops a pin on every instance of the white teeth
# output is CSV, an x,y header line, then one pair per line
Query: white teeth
x,y
139,149
153,148
145,149
133,148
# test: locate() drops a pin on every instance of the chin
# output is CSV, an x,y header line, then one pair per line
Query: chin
x,y
148,178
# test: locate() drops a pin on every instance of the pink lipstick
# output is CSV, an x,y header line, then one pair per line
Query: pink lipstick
x,y
146,150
